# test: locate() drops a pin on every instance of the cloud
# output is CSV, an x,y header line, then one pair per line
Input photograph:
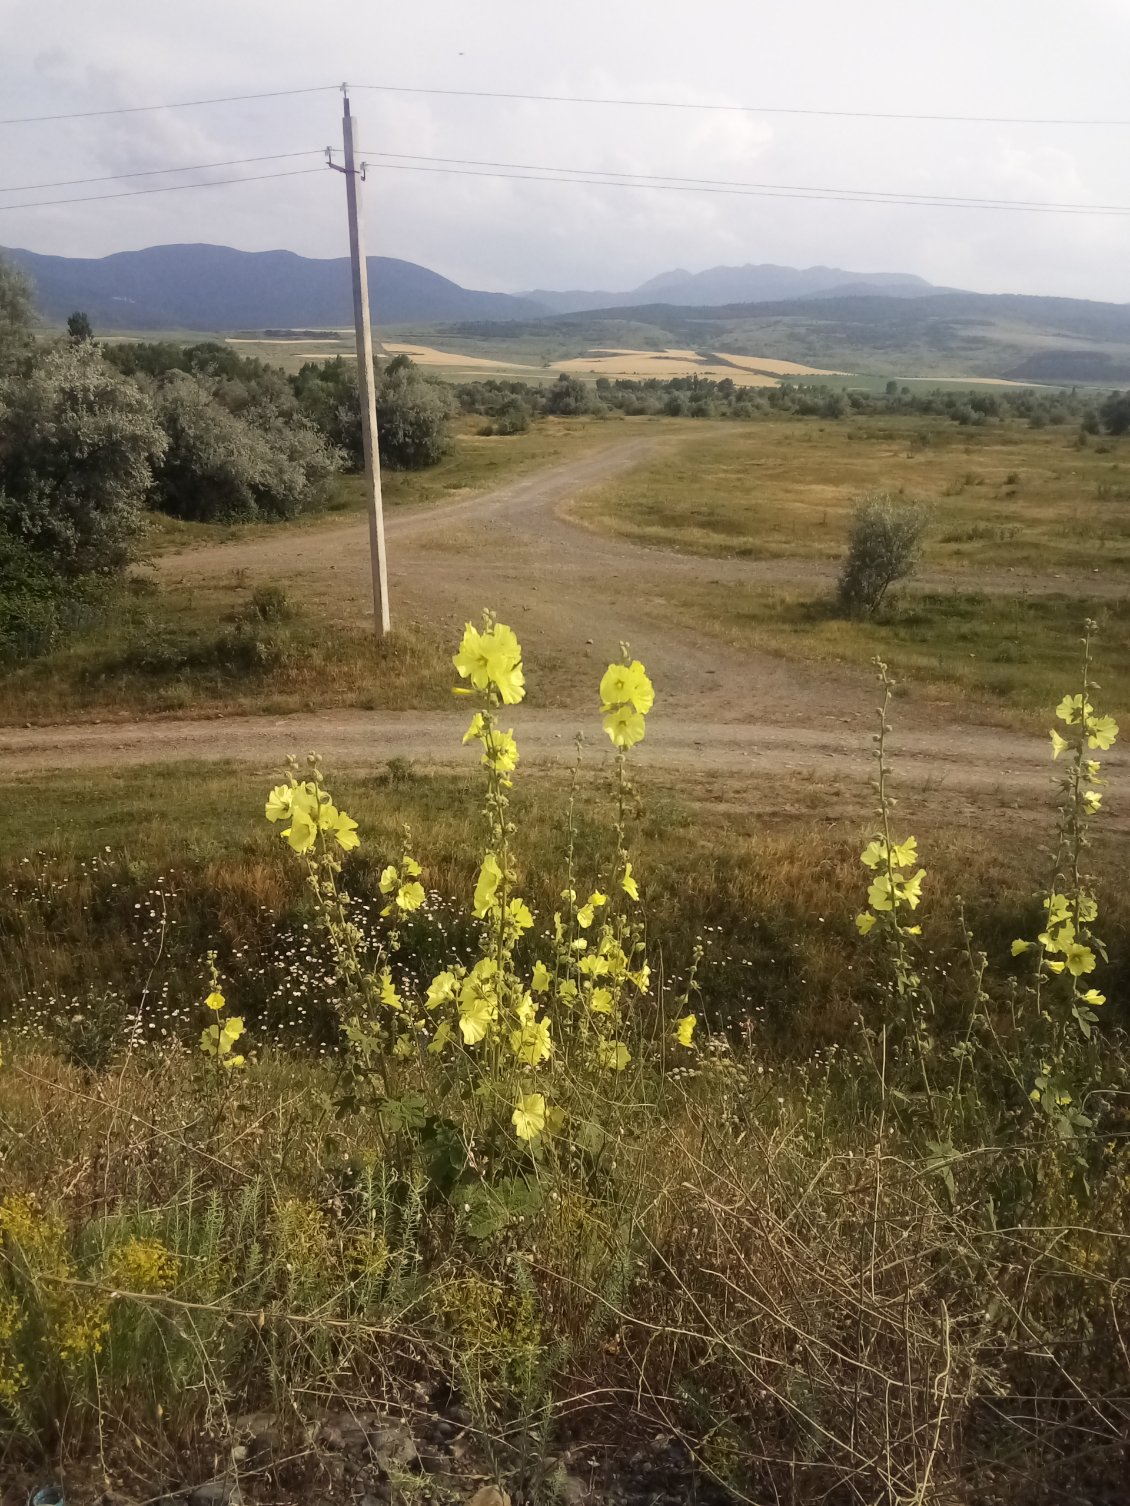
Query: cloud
x,y
1015,58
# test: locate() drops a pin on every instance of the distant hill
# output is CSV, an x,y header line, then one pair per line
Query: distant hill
x,y
726,285
944,334
199,287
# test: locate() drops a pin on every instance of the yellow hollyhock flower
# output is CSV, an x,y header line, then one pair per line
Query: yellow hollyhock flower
x,y
613,1054
624,726
478,1001
531,1044
601,1001
490,876
215,1000
1073,708
519,914
389,996
1058,907
528,1117
302,832
501,752
344,830
1102,732
441,990
278,802
410,897
627,684
1093,997
684,1029
1059,744
1079,958
864,922
1019,947
493,658
628,883
540,980
476,1017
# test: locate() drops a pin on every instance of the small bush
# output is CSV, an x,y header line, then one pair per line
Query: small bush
x,y
37,606
883,548
269,603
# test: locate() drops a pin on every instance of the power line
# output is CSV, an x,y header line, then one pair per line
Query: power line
x,y
577,99
149,172
179,104
676,104
675,180
137,193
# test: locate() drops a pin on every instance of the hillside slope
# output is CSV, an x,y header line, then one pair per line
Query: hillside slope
x,y
945,334
200,287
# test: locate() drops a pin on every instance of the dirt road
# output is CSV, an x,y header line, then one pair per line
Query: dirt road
x,y
572,595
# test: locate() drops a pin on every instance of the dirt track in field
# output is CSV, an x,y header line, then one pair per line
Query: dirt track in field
x,y
572,595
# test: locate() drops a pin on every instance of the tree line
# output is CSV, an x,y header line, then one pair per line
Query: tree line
x,y
510,406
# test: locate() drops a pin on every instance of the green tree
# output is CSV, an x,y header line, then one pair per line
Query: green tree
x,y
568,396
883,547
220,464
326,392
413,417
77,447
17,316
79,327
1115,413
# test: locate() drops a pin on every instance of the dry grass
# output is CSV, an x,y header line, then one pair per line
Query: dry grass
x,y
662,364
428,355
755,1263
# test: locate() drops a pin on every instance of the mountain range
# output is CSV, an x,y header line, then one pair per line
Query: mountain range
x,y
865,322
217,288
200,287
717,286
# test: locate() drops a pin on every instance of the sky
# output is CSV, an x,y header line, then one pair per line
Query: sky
x,y
1014,58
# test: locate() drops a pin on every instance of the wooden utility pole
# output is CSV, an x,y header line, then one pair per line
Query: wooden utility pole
x,y
366,377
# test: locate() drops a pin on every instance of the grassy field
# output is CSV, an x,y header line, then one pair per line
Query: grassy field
x,y
1012,656
1014,502
144,868
1007,497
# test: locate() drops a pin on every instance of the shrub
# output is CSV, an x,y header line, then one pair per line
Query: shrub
x,y
568,396
1115,413
17,317
326,393
78,444
220,465
883,548
413,417
37,605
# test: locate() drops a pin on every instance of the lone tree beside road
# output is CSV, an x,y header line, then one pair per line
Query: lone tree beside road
x,y
886,533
